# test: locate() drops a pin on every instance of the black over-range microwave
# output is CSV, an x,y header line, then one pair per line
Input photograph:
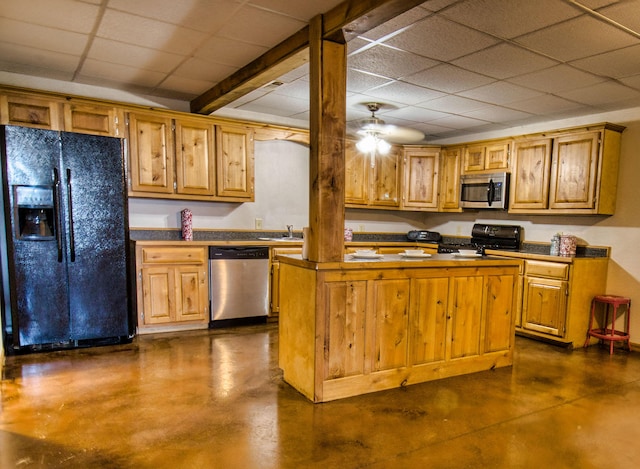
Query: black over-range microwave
x,y
484,190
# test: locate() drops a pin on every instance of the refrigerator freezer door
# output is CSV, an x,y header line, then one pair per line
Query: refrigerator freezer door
x,y
95,198
39,300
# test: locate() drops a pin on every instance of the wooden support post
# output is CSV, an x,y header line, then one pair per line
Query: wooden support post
x,y
327,121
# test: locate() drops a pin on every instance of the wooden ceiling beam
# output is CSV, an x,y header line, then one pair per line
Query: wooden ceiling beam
x,y
351,17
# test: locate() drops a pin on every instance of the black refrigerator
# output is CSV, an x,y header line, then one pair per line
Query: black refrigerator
x,y
65,242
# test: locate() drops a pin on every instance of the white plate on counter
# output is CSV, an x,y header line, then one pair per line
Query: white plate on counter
x,y
457,254
415,256
367,256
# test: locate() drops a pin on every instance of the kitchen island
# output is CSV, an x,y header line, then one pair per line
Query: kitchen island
x,y
364,325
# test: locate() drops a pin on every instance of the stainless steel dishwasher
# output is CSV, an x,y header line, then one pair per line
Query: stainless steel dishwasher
x,y
238,285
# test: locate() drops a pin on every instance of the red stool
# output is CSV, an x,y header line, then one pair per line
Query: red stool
x,y
609,334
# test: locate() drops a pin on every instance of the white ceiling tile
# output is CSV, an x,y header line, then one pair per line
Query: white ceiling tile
x,y
198,69
201,15
145,32
255,26
545,104
404,93
510,18
500,92
497,114
358,81
229,52
106,50
303,11
577,38
41,59
504,61
185,85
448,78
633,82
453,104
458,122
399,22
67,15
558,78
301,72
115,72
41,37
414,113
277,105
440,39
296,89
625,13
602,93
388,62
616,64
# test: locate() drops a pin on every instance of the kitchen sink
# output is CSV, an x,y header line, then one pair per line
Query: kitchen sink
x,y
283,238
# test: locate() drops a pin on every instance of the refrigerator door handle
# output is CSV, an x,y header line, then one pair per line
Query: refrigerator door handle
x,y
72,241
56,202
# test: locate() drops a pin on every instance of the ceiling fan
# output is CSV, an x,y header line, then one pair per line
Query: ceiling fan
x,y
374,126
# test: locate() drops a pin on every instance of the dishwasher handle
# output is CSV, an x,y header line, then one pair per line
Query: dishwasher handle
x,y
238,252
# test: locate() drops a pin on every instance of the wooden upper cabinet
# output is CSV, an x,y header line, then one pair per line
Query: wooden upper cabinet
x,y
449,198
28,111
93,119
151,153
486,156
356,169
235,162
195,157
574,171
385,178
530,174
420,172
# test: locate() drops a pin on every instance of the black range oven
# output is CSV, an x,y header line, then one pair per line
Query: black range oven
x,y
484,236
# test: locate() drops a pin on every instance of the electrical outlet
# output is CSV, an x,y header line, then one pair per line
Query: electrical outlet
x,y
258,223
361,228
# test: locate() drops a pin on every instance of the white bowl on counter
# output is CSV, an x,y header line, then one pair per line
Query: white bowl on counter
x,y
467,252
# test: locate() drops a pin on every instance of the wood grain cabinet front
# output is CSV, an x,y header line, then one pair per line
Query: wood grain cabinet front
x,y
420,170
490,156
372,184
173,286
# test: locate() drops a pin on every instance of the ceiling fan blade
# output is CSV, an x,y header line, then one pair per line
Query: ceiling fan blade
x,y
396,134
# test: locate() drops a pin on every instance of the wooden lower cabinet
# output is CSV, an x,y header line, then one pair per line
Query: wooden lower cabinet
x,y
369,330
173,286
556,298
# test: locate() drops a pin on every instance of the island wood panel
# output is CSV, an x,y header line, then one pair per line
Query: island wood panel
x,y
390,310
465,306
345,342
195,158
428,320
395,351
500,306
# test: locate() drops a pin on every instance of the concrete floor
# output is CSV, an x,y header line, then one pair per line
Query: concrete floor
x,y
216,399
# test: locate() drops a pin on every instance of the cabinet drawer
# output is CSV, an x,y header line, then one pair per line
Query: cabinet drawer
x,y
547,269
174,255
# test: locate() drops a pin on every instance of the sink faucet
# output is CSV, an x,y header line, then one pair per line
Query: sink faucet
x,y
290,228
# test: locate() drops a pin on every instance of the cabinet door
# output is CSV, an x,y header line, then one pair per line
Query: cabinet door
x,y
420,171
93,119
151,153
356,169
530,175
449,176
26,111
465,306
474,158
499,324
428,320
544,305
191,288
383,190
195,157
158,295
497,156
574,171
235,162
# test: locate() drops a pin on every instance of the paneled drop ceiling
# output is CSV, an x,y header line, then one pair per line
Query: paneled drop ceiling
x,y
447,67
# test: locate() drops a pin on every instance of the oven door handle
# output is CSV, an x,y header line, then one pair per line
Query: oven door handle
x,y
491,192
